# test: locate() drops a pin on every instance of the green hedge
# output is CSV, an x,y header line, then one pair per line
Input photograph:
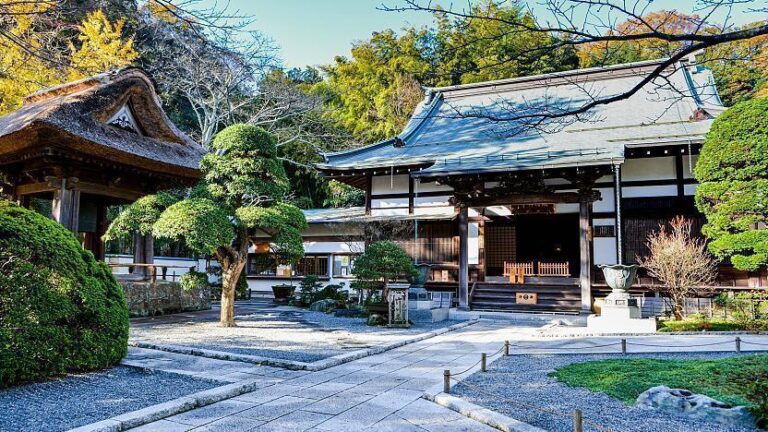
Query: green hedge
x,y
60,309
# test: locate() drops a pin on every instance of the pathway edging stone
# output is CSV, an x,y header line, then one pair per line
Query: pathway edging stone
x,y
296,365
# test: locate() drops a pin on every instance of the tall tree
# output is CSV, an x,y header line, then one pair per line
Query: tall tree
x,y
733,195
102,47
242,193
40,50
576,23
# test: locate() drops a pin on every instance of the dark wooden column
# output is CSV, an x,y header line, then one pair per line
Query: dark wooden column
x,y
143,252
463,257
585,274
65,207
617,205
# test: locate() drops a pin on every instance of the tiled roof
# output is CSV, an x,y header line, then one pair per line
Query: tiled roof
x,y
452,130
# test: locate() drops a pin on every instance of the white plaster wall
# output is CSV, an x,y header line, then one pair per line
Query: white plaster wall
x,y
561,208
648,191
389,202
656,168
389,212
604,251
473,241
690,189
320,247
389,184
431,201
688,164
159,261
607,201
433,210
430,187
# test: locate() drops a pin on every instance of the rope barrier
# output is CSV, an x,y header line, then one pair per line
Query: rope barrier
x,y
564,348
753,343
466,370
550,411
629,342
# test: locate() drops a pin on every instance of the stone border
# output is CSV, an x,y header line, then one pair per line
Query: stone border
x,y
297,365
476,412
482,415
163,410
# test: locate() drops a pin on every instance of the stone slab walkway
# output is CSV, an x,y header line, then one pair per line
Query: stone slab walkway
x,y
381,392
377,393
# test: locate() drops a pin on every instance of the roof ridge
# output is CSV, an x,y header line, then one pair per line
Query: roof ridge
x,y
527,78
82,84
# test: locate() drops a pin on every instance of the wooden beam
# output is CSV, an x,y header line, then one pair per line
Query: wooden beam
x,y
585,255
463,258
546,198
52,185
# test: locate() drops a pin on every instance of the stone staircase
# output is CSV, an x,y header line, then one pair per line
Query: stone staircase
x,y
501,297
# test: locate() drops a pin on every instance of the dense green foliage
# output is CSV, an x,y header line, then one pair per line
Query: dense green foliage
x,y
384,261
624,379
140,216
243,193
202,224
697,324
733,171
60,309
373,94
243,166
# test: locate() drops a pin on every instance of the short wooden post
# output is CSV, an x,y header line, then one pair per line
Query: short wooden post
x,y
446,381
738,344
623,346
578,421
506,348
483,367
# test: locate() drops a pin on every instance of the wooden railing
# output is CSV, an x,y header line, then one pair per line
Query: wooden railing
x,y
560,269
510,268
152,273
554,269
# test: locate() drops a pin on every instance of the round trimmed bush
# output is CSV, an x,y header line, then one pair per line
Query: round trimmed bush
x,y
61,310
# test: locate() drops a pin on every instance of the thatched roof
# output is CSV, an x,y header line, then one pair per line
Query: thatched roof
x,y
79,117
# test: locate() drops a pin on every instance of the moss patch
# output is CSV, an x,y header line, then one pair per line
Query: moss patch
x,y
625,379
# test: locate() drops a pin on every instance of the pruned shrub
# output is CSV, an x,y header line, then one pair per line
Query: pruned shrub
x,y
60,309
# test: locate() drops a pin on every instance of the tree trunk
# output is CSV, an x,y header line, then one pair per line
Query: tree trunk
x,y
228,287
678,308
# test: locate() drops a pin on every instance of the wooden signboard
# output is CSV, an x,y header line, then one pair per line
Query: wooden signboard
x,y
526,298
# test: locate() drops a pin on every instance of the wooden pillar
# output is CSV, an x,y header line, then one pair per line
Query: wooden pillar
x,y
65,207
585,274
368,191
463,258
100,248
143,252
617,205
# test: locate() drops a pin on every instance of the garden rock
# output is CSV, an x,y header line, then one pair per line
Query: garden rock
x,y
325,305
680,401
376,319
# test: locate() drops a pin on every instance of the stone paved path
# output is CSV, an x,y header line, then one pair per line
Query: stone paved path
x,y
377,393
381,392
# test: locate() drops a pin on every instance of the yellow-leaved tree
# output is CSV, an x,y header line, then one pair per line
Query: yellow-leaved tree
x,y
29,66
102,47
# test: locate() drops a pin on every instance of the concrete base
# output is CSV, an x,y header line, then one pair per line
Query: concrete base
x,y
419,304
620,324
542,318
439,315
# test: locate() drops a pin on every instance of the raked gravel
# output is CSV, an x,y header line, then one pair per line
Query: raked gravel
x,y
286,333
522,380
77,400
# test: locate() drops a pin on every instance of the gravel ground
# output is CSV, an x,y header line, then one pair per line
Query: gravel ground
x,y
523,380
285,332
77,400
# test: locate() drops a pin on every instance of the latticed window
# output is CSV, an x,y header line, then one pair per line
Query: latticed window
x,y
316,265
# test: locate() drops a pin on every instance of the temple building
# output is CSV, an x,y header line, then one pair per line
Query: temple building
x,y
76,149
517,215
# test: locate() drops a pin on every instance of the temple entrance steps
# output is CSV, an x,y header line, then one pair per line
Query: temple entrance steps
x,y
503,297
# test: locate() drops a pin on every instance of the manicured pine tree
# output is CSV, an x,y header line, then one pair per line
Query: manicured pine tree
x,y
733,194
242,193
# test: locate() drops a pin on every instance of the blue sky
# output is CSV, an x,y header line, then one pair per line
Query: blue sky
x,y
312,32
